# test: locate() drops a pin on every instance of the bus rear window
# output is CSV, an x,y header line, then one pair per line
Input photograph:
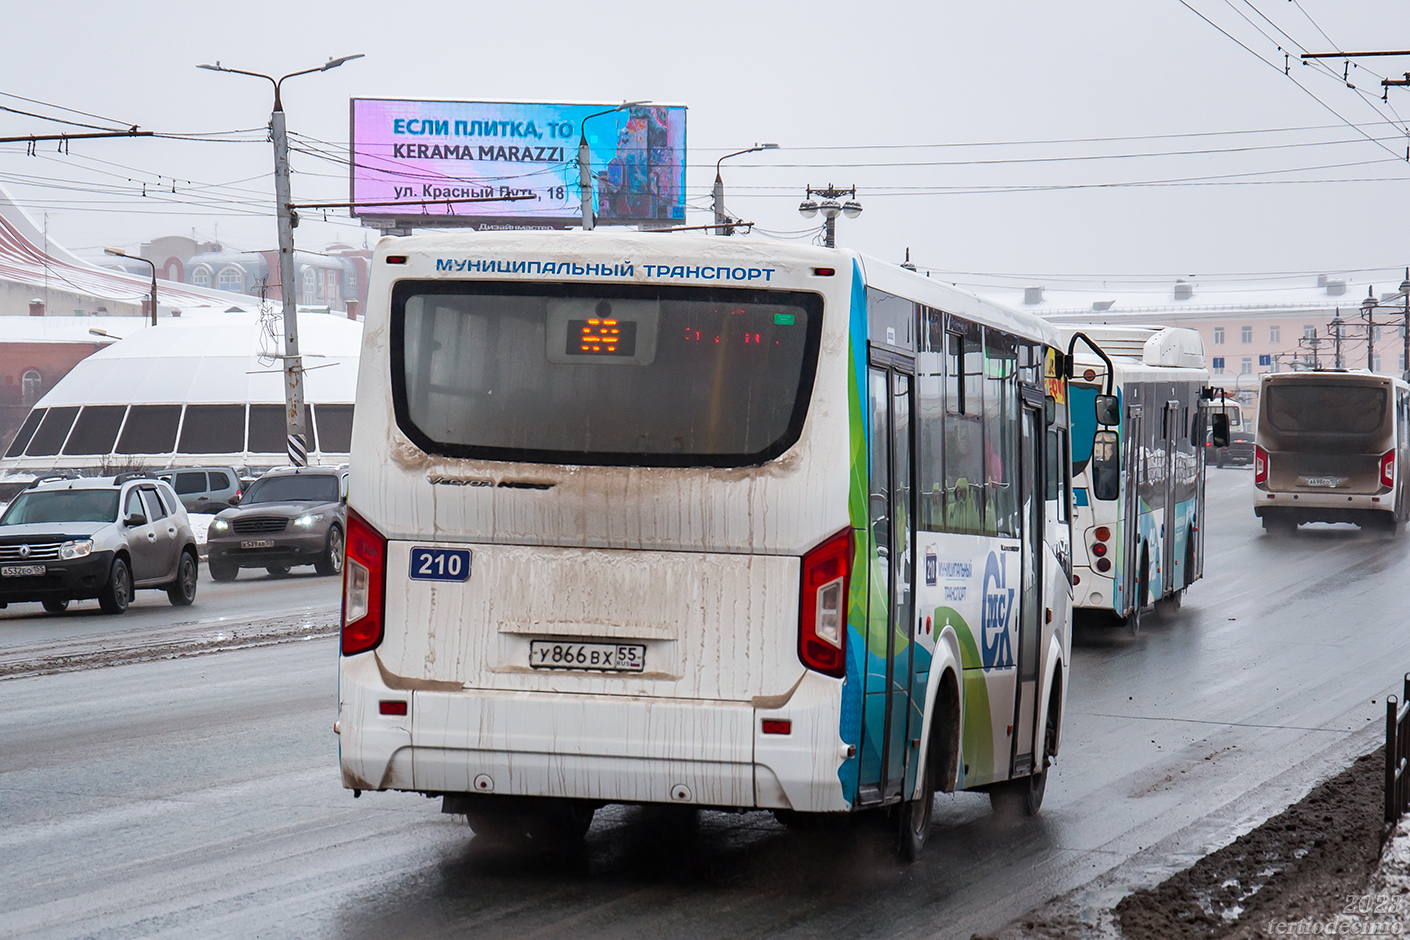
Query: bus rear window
x,y
1325,409
587,374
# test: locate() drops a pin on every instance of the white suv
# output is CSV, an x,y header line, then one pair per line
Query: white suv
x,y
63,540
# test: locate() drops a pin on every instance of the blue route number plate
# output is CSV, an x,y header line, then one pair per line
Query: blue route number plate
x,y
440,564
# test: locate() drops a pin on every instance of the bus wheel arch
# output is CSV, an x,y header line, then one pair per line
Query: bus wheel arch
x,y
944,756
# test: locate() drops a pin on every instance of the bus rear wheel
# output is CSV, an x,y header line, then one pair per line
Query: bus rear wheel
x,y
914,817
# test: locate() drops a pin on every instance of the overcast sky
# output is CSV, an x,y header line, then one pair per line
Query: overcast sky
x,y
924,106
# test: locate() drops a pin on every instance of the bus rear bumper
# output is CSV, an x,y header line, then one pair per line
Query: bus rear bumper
x,y
603,748
1322,507
1093,590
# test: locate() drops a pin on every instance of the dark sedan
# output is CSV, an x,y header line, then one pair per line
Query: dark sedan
x,y
290,516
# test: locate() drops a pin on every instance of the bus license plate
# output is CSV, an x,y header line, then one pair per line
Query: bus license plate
x,y
600,657
21,571
1324,481
257,543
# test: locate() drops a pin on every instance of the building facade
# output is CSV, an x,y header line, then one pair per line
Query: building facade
x,y
335,279
1251,329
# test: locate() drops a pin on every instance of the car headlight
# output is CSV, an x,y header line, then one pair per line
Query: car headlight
x,y
219,525
307,521
76,549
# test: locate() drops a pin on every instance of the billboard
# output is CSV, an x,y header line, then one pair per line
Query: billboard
x,y
420,161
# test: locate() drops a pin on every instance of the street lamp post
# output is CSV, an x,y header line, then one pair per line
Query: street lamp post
x,y
585,162
830,208
122,254
724,225
1368,310
293,362
1336,325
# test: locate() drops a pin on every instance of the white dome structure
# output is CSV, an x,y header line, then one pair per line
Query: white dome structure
x,y
195,391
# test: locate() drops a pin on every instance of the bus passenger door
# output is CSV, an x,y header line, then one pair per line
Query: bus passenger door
x,y
1031,602
1132,480
1172,522
888,728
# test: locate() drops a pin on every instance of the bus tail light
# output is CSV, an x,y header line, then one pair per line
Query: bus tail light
x,y
822,605
1099,549
1102,533
1388,469
1260,464
364,586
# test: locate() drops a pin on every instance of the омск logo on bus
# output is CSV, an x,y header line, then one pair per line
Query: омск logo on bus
x,y
998,602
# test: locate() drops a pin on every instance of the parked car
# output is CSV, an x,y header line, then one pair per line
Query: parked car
x,y
204,489
63,540
290,516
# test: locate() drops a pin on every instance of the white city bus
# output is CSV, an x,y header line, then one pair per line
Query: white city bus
x,y
1138,484
673,519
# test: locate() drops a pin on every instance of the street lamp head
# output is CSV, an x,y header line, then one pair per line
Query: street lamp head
x,y
808,208
830,208
214,68
766,146
115,251
851,208
1368,304
334,63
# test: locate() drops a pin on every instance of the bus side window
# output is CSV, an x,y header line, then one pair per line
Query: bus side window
x,y
930,422
964,428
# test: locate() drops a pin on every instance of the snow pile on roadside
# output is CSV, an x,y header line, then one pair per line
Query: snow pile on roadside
x,y
1393,874
200,522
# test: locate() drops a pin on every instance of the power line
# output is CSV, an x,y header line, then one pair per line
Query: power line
x,y
1347,121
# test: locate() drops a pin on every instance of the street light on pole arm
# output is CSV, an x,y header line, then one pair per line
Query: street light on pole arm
x,y
585,161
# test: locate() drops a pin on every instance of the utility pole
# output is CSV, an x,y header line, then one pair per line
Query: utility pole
x,y
1336,325
288,290
1368,307
1405,326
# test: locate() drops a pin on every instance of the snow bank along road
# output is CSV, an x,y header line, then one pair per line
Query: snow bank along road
x,y
199,796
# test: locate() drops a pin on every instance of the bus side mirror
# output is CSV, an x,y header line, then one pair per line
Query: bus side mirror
x,y
1108,410
1106,465
1219,436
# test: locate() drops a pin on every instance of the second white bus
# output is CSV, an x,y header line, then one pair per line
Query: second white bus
x,y
1138,482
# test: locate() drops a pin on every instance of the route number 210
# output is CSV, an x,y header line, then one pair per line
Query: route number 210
x,y
440,564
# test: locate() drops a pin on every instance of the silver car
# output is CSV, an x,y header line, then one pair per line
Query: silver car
x,y
63,540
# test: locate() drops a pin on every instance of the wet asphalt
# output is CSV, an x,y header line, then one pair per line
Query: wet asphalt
x,y
199,796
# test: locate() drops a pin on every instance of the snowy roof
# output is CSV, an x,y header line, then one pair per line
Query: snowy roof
x,y
65,329
212,359
24,261
1192,297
